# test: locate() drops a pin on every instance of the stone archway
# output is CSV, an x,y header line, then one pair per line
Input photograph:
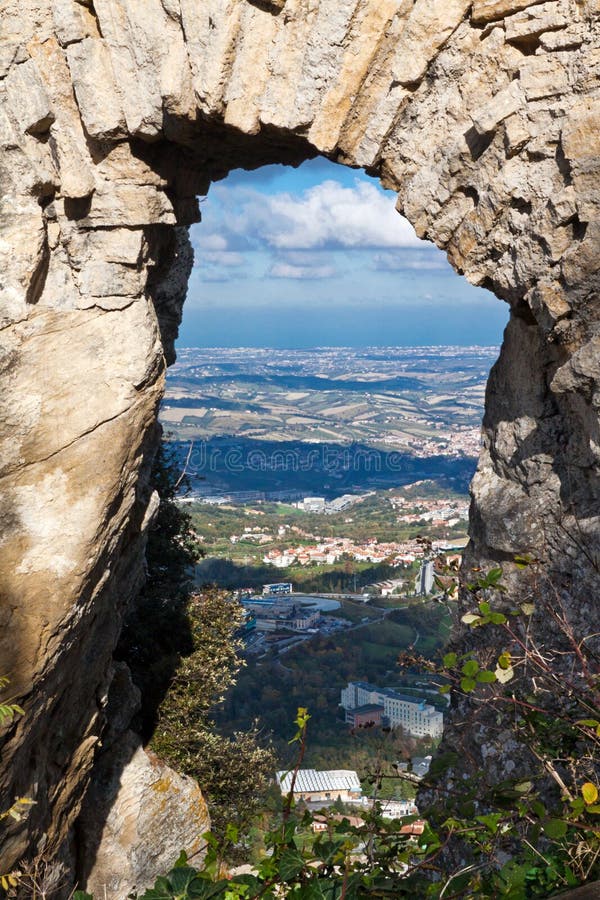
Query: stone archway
x,y
483,115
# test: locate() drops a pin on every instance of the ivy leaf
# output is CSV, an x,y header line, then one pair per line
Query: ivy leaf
x,y
538,808
450,660
160,891
180,879
310,891
486,676
497,618
577,805
471,619
490,821
494,576
291,864
504,660
523,787
589,792
468,685
470,668
200,889
555,829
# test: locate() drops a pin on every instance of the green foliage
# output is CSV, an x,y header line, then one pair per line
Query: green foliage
x,y
232,770
393,859
529,836
19,808
156,632
8,710
183,653
172,548
547,699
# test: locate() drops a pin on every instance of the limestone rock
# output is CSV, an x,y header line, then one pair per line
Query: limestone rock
x,y
428,27
504,104
28,99
74,163
95,89
542,76
534,21
490,10
72,21
138,817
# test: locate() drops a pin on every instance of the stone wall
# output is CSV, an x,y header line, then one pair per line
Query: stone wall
x,y
483,116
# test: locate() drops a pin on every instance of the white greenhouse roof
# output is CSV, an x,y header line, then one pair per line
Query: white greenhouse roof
x,y
308,780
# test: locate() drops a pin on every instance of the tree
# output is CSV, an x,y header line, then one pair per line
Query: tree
x,y
233,772
183,651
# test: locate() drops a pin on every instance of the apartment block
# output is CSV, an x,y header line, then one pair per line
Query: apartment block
x,y
415,716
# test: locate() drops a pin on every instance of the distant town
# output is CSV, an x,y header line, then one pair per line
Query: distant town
x,y
422,400
323,486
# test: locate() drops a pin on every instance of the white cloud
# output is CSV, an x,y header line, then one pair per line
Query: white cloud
x,y
327,215
336,216
225,258
401,259
209,241
289,270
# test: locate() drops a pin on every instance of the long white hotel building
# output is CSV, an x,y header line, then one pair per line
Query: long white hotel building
x,y
415,716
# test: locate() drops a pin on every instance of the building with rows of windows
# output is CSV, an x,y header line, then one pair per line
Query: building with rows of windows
x,y
415,716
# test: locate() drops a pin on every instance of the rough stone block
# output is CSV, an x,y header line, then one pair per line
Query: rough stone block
x,y
492,10
580,140
565,39
517,133
543,76
74,164
428,27
505,103
135,34
99,278
72,21
533,21
127,205
8,52
135,797
28,98
564,205
95,89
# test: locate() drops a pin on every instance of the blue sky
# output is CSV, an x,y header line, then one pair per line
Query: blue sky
x,y
318,256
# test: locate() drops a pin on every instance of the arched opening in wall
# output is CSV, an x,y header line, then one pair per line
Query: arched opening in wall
x,y
326,404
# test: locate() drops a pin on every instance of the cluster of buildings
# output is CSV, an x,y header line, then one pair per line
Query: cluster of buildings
x,y
461,441
269,614
435,512
329,507
365,703
320,789
330,550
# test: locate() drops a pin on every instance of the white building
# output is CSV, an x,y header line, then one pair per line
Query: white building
x,y
397,809
277,589
313,504
415,716
320,787
340,503
280,561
